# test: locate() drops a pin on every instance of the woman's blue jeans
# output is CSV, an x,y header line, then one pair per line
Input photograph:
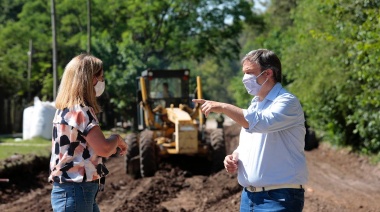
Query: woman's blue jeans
x,y
74,197
285,199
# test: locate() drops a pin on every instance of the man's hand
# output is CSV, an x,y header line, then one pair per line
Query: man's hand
x,y
209,106
231,162
233,112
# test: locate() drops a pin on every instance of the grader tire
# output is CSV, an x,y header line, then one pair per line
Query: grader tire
x,y
148,164
218,147
311,141
132,159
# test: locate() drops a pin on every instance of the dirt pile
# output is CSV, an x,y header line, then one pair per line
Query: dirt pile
x,y
339,181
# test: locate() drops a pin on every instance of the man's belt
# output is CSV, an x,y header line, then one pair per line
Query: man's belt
x,y
267,188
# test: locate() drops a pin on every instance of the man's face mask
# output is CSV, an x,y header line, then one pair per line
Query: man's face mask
x,y
250,83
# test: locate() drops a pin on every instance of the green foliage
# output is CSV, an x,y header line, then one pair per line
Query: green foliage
x,y
363,56
354,113
9,10
311,60
32,22
11,65
215,76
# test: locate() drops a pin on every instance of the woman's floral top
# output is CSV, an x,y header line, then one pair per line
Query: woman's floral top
x,y
72,158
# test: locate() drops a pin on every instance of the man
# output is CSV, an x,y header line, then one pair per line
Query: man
x,y
270,158
165,90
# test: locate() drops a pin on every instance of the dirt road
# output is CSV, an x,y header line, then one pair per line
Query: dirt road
x,y
339,181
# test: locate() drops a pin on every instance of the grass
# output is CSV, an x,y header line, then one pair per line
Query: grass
x,y
375,159
11,146
37,146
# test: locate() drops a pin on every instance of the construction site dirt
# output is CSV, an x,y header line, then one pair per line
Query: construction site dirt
x,y
339,181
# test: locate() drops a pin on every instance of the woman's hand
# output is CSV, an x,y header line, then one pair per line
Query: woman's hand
x,y
122,145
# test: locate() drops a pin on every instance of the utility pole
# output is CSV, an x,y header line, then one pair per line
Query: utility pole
x,y
54,45
88,26
30,56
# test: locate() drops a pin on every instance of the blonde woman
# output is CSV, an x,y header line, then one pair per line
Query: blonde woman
x,y
76,168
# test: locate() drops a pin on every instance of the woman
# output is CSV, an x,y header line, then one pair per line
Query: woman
x,y
78,144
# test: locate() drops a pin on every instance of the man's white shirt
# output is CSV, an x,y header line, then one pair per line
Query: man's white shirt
x,y
271,150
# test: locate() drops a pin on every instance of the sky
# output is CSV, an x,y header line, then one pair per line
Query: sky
x,y
258,5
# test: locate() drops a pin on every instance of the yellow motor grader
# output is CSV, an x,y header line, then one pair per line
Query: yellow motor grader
x,y
168,123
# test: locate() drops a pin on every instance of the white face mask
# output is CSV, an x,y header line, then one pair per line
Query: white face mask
x,y
250,83
99,87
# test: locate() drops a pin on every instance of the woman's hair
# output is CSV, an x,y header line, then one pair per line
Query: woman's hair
x,y
267,60
76,85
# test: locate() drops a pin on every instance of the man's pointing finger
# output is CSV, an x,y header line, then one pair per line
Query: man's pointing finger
x,y
200,101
